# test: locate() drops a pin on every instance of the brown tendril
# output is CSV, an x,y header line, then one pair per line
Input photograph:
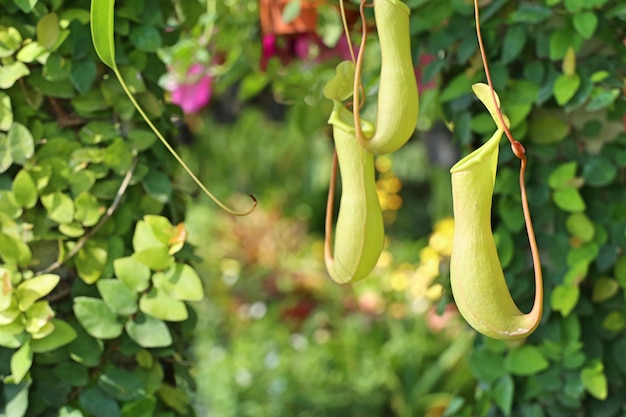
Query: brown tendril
x,y
520,152
328,225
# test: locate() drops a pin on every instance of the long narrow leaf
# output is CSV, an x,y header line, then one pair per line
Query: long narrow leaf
x,y
102,30
102,21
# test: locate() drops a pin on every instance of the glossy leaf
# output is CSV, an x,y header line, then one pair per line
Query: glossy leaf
x,y
62,335
564,299
121,299
21,361
31,290
594,380
134,274
158,304
525,360
180,282
97,318
148,331
565,88
568,199
24,189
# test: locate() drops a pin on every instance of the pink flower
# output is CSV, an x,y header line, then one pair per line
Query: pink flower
x,y
195,93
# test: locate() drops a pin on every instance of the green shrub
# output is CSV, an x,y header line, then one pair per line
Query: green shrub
x,y
94,275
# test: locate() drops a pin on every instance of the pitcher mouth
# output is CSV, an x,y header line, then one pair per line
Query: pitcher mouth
x,y
478,156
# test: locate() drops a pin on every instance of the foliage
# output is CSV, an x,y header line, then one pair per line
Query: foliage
x,y
558,67
95,278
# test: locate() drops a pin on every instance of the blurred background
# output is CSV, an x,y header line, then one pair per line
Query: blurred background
x,y
277,337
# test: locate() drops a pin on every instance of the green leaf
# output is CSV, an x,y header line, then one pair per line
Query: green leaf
x,y
602,98
158,185
145,38
579,225
97,132
38,319
16,397
546,129
502,394
118,296
73,373
614,321
180,282
62,335
88,210
531,13
158,304
568,199
514,41
32,52
525,360
141,139
6,112
585,24
86,349
26,5
9,205
563,175
134,274
6,160
565,88
97,318
9,74
91,260
564,298
594,380
10,41
121,384
59,206
148,331
31,290
458,86
603,289
83,75
156,258
24,189
118,156
574,6
101,18
97,402
561,40
598,171
21,361
14,250
152,231
21,143
143,407
48,30
174,398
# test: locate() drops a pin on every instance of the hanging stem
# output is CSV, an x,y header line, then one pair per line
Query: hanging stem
x,y
328,225
358,84
520,152
346,29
